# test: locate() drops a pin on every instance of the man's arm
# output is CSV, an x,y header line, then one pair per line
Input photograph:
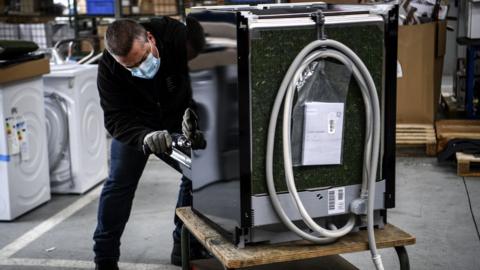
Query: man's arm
x,y
120,117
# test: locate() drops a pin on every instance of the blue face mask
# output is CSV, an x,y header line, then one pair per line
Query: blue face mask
x,y
148,68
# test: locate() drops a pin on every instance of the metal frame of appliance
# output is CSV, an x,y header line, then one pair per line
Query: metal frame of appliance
x,y
238,226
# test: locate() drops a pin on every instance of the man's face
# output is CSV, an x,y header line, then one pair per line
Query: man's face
x,y
139,52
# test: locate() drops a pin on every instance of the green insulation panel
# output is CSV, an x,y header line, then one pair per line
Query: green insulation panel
x,y
272,51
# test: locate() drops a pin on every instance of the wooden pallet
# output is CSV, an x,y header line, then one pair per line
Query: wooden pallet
x,y
465,163
456,129
412,135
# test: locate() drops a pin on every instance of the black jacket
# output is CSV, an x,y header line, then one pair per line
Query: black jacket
x,y
133,107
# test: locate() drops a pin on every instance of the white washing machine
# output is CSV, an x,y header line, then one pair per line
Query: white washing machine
x,y
77,146
24,180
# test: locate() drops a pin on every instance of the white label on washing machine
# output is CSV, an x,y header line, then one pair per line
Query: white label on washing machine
x,y
12,139
322,133
336,201
22,134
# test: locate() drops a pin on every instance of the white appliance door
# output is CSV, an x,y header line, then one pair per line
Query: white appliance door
x,y
92,132
56,112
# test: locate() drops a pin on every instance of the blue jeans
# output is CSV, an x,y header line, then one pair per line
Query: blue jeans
x,y
127,165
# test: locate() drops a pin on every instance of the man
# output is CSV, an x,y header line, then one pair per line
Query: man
x,y
144,91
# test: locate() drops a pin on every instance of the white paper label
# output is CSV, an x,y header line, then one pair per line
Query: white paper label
x,y
336,201
12,139
322,134
22,134
399,70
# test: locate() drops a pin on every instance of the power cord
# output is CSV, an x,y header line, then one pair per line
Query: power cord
x,y
470,205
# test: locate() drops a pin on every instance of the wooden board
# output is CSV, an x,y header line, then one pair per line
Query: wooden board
x,y
232,257
465,164
456,129
417,135
333,262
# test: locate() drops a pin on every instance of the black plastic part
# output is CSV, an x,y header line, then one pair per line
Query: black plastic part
x,y
244,121
319,20
467,146
388,170
403,258
185,240
464,41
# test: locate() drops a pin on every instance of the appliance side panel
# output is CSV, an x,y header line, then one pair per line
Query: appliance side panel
x,y
245,120
4,158
29,184
390,100
215,88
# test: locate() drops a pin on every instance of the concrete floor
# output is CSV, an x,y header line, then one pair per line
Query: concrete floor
x,y
431,204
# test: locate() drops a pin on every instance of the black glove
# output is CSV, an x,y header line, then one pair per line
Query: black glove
x,y
158,142
190,129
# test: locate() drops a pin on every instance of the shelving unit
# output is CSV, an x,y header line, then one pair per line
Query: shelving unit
x,y
83,23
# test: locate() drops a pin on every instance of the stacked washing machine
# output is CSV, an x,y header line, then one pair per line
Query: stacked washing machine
x,y
77,148
23,157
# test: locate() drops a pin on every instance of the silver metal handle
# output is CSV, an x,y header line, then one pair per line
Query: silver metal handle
x,y
176,154
181,158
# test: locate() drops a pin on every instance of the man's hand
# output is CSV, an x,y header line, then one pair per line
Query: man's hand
x,y
158,142
190,129
189,123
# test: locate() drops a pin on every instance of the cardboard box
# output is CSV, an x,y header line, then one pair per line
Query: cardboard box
x,y
146,6
421,49
24,70
101,30
125,10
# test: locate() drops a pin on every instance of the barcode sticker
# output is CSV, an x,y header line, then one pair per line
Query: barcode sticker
x,y
331,126
336,201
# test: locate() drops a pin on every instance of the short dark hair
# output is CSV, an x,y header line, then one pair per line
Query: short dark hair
x,y
195,34
121,34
